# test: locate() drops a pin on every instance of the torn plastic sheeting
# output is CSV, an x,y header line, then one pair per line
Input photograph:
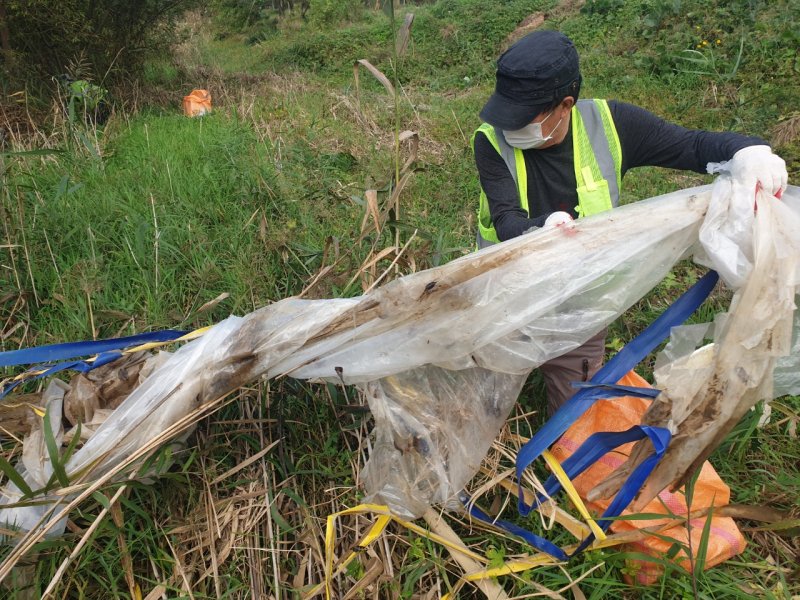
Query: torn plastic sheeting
x,y
36,469
442,353
706,391
509,307
514,305
688,339
786,377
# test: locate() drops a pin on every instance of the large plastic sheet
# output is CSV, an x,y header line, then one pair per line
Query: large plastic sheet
x,y
441,354
786,377
706,390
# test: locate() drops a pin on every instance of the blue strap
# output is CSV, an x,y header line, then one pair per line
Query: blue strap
x,y
72,365
609,374
596,446
599,444
660,437
615,390
54,352
538,542
591,450
106,351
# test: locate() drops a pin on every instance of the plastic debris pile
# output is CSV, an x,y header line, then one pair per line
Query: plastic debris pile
x,y
442,354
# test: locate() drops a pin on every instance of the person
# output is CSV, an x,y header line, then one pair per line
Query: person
x,y
544,158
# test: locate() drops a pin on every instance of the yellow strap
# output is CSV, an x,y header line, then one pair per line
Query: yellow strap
x,y
384,518
377,529
329,539
509,567
514,566
565,482
330,536
537,560
373,534
150,345
541,558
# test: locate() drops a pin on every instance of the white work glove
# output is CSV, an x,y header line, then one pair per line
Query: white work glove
x,y
757,164
557,218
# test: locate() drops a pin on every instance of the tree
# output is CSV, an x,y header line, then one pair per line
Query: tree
x,y
107,36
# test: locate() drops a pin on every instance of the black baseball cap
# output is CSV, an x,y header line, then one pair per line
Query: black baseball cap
x,y
532,75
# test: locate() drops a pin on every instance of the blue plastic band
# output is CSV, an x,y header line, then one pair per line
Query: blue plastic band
x,y
54,352
71,365
592,449
599,444
660,438
615,390
609,374
538,542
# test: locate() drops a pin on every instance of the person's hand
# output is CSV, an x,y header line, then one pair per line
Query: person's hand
x,y
758,165
558,218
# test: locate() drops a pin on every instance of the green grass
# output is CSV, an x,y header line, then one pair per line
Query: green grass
x,y
140,226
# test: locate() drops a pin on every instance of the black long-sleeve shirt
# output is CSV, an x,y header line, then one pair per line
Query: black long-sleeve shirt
x,y
645,139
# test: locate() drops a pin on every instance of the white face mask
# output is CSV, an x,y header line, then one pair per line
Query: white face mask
x,y
530,136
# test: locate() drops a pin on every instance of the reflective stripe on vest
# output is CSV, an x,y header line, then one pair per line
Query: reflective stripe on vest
x,y
597,157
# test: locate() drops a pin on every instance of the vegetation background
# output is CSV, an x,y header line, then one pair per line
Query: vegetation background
x,y
120,215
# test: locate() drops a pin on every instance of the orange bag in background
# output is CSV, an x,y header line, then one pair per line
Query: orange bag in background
x,y
197,104
618,414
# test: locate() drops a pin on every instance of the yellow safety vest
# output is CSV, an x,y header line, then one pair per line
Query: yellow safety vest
x,y
597,161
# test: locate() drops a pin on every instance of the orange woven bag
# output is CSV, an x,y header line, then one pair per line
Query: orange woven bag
x,y
618,414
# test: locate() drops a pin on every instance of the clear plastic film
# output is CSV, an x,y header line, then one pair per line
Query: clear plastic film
x,y
686,339
711,375
441,354
36,469
433,426
786,378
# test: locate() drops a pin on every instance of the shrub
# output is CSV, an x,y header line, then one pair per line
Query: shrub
x,y
331,12
40,38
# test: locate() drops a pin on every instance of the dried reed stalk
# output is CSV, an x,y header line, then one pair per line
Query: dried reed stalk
x,y
490,589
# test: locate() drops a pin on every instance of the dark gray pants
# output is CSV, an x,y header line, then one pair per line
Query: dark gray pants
x,y
579,364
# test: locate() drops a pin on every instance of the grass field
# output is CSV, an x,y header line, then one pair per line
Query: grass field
x,y
156,221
